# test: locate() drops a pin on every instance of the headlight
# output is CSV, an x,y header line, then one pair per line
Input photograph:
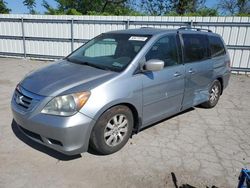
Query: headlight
x,y
66,105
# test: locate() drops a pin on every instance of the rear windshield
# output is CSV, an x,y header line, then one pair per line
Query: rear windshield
x,y
216,46
109,51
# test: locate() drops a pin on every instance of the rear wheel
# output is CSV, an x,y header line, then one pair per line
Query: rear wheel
x,y
112,130
214,95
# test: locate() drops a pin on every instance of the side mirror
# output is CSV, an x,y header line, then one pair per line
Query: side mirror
x,y
154,65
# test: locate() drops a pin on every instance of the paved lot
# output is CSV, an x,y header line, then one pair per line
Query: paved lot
x,y
202,147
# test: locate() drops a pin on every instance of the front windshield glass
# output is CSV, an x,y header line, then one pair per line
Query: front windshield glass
x,y
109,51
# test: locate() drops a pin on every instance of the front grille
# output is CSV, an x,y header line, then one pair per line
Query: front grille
x,y
26,100
22,100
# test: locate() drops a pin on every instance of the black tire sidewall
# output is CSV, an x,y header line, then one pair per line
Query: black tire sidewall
x,y
97,141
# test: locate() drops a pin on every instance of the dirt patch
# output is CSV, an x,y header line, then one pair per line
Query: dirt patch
x,y
5,82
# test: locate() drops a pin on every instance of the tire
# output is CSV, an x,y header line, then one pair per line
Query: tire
x,y
214,95
112,130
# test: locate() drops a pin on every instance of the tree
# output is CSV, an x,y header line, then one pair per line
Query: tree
x,y
3,7
228,6
182,7
30,4
49,9
243,7
119,7
172,7
234,7
207,12
155,7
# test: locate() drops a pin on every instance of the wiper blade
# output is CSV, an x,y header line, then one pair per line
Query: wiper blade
x,y
93,65
89,64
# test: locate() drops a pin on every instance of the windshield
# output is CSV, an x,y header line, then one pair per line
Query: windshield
x,y
109,51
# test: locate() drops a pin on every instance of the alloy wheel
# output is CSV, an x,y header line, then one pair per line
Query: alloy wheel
x,y
116,129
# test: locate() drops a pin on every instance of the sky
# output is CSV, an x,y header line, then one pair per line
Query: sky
x,y
17,6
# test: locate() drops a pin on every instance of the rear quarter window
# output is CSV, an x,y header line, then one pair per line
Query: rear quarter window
x,y
195,47
216,46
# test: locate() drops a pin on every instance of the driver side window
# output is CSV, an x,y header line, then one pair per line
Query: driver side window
x,y
164,49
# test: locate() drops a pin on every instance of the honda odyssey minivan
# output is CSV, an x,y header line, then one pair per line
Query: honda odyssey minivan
x,y
119,83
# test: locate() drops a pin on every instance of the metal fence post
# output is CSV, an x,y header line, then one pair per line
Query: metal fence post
x,y
23,36
127,24
72,34
190,24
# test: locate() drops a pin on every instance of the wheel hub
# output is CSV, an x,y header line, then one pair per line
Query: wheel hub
x,y
214,93
116,129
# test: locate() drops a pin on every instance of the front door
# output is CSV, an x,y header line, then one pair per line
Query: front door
x,y
163,90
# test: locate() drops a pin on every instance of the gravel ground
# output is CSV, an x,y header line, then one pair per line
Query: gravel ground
x,y
202,147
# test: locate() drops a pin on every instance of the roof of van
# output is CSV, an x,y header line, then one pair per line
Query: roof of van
x,y
144,31
155,31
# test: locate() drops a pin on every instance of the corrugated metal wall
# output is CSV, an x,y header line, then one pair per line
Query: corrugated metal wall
x,y
45,36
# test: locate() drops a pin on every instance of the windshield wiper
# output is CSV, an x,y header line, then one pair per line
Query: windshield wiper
x,y
89,64
93,65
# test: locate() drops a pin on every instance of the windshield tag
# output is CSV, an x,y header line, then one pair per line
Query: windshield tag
x,y
137,38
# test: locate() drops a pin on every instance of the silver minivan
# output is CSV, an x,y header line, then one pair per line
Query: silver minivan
x,y
119,83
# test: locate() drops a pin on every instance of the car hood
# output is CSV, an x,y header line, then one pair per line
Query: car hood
x,y
63,78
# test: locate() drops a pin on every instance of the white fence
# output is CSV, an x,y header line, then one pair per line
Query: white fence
x,y
51,37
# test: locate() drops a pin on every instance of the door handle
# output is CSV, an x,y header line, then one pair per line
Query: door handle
x,y
191,71
177,74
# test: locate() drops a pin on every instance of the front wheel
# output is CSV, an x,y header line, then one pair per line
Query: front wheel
x,y
112,130
214,95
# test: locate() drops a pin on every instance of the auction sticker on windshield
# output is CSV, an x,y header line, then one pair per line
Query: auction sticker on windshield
x,y
137,38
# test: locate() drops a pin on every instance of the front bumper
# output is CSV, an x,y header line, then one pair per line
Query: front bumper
x,y
68,135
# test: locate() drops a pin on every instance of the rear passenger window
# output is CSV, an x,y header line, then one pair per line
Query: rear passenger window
x,y
164,49
216,46
195,47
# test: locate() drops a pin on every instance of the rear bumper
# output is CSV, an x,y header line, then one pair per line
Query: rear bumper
x,y
226,78
68,135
